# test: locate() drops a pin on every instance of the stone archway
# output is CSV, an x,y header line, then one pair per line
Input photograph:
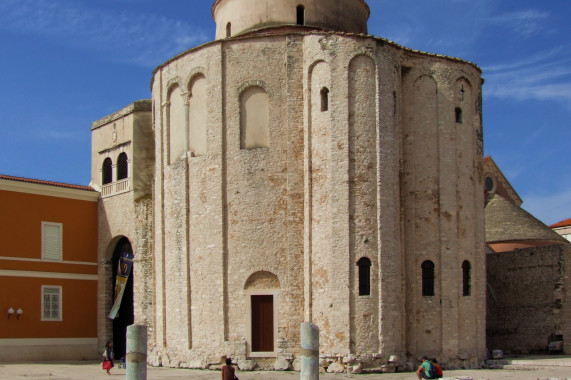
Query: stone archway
x,y
125,316
262,289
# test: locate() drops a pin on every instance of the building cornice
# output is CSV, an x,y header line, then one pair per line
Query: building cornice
x,y
144,105
49,189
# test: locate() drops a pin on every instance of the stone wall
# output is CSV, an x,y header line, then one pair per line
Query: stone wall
x,y
382,171
528,299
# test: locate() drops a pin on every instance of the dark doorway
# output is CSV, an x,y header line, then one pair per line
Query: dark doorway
x,y
125,317
263,323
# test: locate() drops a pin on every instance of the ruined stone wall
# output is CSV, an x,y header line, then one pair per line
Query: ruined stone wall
x,y
528,299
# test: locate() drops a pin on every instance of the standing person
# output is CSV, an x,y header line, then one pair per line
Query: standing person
x,y
228,371
438,374
108,357
426,370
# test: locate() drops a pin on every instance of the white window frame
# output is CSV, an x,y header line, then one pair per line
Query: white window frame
x,y
60,253
59,318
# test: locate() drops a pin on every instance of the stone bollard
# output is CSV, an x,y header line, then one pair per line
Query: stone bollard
x,y
309,351
136,359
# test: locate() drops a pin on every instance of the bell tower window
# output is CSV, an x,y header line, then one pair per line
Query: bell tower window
x,y
228,30
107,171
122,167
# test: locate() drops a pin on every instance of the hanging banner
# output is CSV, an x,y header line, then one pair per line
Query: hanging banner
x,y
123,271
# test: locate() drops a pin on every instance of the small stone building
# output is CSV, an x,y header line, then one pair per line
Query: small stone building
x,y
528,275
297,169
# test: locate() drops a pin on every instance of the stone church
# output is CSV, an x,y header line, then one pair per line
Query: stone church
x,y
297,169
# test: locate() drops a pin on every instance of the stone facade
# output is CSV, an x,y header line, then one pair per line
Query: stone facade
x,y
315,172
528,304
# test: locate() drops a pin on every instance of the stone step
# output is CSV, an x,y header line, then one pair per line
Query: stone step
x,y
529,363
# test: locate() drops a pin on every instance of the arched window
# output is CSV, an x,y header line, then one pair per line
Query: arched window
x,y
107,171
197,115
122,166
458,112
427,278
364,265
324,99
176,123
300,15
254,118
228,30
466,278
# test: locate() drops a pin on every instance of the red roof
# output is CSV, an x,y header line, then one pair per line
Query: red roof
x,y
48,183
563,223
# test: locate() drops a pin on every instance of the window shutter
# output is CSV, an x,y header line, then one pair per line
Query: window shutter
x,y
51,242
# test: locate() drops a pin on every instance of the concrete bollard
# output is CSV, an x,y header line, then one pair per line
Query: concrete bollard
x,y
136,352
309,351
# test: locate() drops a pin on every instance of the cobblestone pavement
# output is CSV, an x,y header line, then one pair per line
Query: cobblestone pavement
x,y
92,370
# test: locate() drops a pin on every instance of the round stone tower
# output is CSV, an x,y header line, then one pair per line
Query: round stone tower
x,y
234,17
307,172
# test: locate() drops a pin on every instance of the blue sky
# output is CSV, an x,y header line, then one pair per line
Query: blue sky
x,y
66,63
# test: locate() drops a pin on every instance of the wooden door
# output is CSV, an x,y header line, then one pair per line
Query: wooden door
x,y
263,323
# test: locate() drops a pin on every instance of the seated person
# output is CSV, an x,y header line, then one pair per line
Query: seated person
x,y
426,370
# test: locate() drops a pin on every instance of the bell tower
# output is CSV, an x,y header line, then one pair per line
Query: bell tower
x,y
235,17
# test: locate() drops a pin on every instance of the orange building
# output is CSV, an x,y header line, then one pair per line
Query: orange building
x,y
48,270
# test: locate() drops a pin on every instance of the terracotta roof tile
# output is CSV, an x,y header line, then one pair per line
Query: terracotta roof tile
x,y
563,223
47,183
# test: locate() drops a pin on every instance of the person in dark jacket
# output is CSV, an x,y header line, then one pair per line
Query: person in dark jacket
x,y
228,371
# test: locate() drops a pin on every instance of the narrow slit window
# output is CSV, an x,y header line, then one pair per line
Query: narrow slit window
x,y
324,99
466,278
364,265
300,15
458,113
427,278
228,30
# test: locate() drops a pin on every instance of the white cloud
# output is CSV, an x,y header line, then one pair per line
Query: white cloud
x,y
544,76
525,23
130,37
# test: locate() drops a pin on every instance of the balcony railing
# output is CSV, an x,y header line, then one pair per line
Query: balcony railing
x,y
114,188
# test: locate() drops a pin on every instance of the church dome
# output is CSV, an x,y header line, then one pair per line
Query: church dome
x,y
234,17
